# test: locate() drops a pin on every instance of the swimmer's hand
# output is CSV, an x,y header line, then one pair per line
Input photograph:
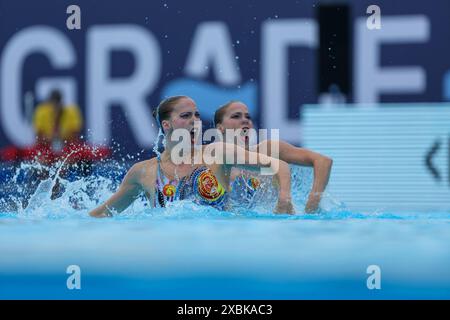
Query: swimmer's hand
x,y
312,206
284,206
99,214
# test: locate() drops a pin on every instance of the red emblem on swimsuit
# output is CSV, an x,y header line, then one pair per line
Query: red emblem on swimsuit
x,y
208,186
169,190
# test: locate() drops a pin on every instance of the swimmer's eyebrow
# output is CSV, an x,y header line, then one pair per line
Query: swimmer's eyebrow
x,y
189,113
239,113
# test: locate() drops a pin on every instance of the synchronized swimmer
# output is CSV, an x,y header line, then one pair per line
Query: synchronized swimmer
x,y
207,182
234,115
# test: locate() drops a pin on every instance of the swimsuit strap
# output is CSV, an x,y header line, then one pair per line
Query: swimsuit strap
x,y
160,175
159,185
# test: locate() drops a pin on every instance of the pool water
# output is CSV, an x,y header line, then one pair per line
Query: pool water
x,y
192,252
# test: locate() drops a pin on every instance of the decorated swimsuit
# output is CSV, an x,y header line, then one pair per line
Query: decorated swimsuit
x,y
201,186
243,190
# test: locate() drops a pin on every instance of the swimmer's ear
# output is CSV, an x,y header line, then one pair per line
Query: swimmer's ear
x,y
220,128
165,125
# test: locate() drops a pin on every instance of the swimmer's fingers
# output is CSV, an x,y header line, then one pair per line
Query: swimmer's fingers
x,y
284,206
312,206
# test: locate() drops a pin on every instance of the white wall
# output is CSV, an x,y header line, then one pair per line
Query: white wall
x,y
380,152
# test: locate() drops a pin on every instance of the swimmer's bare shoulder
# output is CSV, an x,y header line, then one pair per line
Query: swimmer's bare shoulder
x,y
140,177
145,173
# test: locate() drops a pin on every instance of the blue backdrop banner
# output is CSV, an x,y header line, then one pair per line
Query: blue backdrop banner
x,y
118,59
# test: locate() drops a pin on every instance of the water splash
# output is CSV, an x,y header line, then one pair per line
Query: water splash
x,y
44,190
35,191
159,138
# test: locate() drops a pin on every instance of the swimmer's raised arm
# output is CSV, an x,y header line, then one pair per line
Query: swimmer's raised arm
x,y
282,173
254,161
128,191
322,168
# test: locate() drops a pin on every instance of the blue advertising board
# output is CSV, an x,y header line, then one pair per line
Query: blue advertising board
x,y
128,55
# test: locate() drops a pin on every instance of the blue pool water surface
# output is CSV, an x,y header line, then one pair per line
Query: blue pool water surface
x,y
191,252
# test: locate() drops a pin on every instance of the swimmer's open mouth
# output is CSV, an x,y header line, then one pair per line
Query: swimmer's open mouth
x,y
193,133
245,131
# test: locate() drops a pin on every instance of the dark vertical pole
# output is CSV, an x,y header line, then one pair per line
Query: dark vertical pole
x,y
335,51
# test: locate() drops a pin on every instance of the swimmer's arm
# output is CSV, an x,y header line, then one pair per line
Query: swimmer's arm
x,y
292,154
322,169
254,161
235,156
128,191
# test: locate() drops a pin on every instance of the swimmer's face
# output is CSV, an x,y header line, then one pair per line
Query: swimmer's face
x,y
236,117
183,116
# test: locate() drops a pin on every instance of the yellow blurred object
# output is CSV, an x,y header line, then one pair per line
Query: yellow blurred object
x,y
44,121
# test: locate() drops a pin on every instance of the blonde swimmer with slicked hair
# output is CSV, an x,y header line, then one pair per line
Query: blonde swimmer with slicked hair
x,y
164,181
235,115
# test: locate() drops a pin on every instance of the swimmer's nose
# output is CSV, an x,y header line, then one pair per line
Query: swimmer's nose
x,y
195,118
